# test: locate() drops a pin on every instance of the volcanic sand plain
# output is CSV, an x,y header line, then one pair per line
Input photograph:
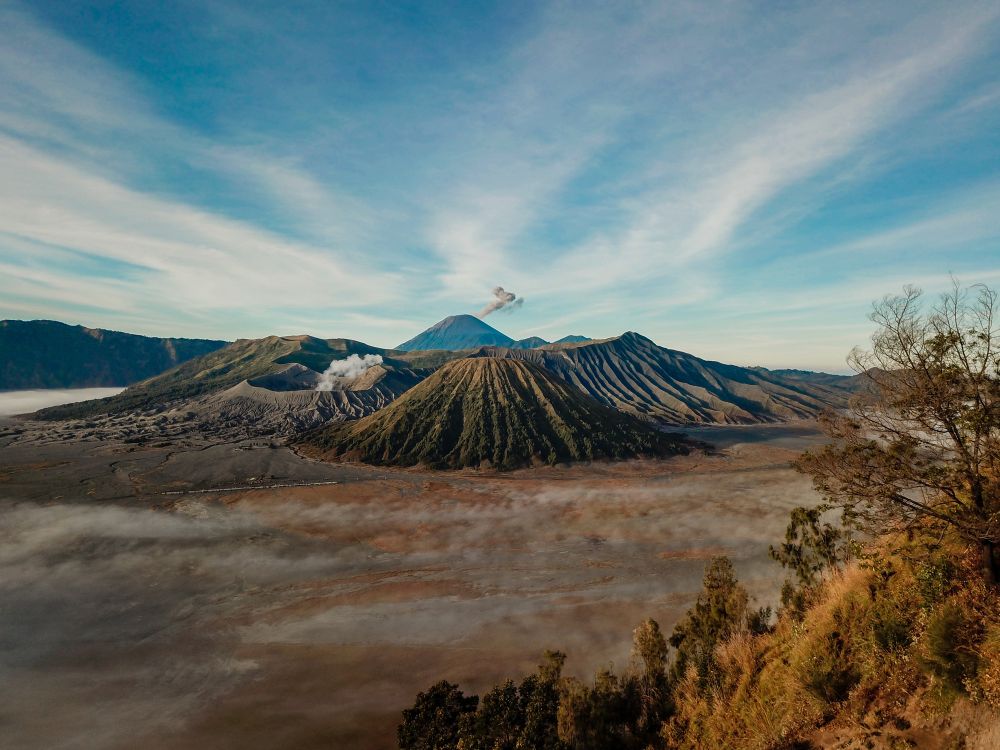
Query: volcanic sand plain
x,y
139,610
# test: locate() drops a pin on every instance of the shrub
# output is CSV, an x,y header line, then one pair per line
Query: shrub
x,y
934,579
891,627
946,654
828,672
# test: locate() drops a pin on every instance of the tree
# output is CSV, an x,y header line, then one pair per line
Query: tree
x,y
521,717
721,609
498,723
923,442
811,546
435,719
540,700
652,686
596,718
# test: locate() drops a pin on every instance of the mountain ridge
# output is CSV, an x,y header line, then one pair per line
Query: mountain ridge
x,y
634,374
51,354
629,373
242,360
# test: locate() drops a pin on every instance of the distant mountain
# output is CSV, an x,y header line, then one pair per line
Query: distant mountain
x,y
572,340
48,354
498,413
457,332
848,383
532,342
633,374
252,382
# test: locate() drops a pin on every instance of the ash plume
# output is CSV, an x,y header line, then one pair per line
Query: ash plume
x,y
501,299
351,367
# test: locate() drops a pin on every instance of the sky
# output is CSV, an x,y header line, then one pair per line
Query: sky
x,y
738,180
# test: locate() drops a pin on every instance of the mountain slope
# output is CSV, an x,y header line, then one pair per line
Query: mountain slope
x,y
486,411
286,402
48,354
457,332
629,373
847,383
633,374
244,360
572,339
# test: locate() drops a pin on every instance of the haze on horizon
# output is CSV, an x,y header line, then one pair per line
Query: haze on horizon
x,y
736,180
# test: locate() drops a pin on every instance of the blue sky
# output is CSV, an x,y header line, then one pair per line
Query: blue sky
x,y
737,180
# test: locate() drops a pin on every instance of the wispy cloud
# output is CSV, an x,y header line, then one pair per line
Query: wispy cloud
x,y
195,260
732,176
655,161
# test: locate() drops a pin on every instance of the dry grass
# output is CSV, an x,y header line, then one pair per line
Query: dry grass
x,y
865,667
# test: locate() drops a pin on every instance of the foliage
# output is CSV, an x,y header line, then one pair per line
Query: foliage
x,y
811,547
924,443
887,640
514,717
945,653
433,722
721,609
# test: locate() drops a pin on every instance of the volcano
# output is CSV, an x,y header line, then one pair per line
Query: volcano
x,y
457,332
494,413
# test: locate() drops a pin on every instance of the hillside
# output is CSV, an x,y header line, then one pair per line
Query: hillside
x,y
492,412
457,332
243,360
286,402
898,650
635,375
48,354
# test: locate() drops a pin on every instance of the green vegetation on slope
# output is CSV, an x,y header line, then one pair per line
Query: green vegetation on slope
x,y
900,649
48,354
242,360
493,412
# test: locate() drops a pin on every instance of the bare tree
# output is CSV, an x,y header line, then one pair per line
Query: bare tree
x,y
923,440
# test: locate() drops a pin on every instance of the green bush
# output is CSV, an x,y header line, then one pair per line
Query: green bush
x,y
829,671
934,578
891,627
946,656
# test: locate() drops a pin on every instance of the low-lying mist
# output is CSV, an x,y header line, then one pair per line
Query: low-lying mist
x,y
26,402
325,609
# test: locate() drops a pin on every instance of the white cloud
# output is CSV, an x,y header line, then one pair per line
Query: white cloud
x,y
195,260
733,174
612,166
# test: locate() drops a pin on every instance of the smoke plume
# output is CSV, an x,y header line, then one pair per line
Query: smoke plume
x,y
351,367
501,299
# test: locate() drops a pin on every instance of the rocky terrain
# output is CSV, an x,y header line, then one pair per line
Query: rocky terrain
x,y
47,354
491,412
268,388
636,376
264,383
